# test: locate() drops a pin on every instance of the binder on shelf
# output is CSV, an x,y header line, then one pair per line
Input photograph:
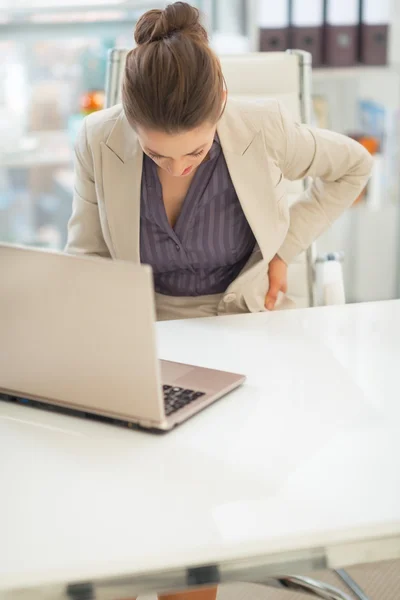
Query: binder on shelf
x,y
306,27
375,16
273,21
341,32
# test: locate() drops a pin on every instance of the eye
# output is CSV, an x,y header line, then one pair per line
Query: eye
x,y
155,156
197,153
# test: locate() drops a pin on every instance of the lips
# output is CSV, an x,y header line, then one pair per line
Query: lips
x,y
186,171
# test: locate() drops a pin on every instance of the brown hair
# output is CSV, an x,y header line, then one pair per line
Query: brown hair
x,y
173,80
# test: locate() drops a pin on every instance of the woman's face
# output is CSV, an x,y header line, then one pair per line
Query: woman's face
x,y
178,154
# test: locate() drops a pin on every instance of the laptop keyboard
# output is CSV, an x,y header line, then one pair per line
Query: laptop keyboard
x,y
176,398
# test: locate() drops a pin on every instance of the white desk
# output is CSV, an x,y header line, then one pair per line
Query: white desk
x,y
303,460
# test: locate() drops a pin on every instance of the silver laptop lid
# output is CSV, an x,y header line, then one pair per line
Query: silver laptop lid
x,y
79,331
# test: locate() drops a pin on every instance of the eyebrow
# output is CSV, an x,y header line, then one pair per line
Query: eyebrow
x,y
162,156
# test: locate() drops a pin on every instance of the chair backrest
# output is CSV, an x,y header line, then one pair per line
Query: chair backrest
x,y
282,75
285,76
279,75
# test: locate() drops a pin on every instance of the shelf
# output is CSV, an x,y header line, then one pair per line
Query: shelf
x,y
329,74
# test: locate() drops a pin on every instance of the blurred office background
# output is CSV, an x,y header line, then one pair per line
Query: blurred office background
x,y
53,70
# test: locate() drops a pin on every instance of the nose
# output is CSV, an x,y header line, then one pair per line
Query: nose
x,y
176,167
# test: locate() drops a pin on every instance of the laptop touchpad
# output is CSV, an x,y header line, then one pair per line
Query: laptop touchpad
x,y
196,378
171,371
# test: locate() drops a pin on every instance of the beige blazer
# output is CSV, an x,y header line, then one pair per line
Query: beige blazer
x,y
262,146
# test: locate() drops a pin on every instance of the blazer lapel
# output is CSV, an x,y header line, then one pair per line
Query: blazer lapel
x,y
122,160
248,165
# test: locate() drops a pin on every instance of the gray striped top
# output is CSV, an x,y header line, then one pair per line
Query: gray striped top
x,y
211,241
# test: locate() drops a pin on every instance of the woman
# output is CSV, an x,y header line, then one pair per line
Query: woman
x,y
191,183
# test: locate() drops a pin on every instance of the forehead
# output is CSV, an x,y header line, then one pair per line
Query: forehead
x,y
176,145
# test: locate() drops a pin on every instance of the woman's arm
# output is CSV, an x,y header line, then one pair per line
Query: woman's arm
x,y
84,230
340,168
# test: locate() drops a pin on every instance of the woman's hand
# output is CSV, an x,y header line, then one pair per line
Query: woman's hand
x,y
277,273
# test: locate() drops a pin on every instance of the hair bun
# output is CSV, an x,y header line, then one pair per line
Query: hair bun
x,y
180,17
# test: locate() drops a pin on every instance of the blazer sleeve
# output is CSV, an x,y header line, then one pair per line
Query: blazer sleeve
x,y
84,229
339,168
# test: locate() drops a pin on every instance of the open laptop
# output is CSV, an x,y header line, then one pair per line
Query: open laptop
x,y
78,333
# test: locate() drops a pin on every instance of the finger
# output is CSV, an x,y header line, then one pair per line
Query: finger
x,y
272,294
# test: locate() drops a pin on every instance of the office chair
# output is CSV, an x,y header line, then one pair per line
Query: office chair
x,y
285,76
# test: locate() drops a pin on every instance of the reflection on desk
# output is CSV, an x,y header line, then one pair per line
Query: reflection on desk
x,y
302,461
